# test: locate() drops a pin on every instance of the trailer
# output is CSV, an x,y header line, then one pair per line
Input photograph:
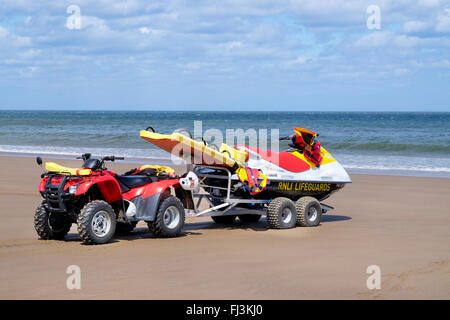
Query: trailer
x,y
215,195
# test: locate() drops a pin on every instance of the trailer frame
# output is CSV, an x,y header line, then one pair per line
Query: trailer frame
x,y
228,205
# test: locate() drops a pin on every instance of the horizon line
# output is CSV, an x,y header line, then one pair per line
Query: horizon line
x,y
216,111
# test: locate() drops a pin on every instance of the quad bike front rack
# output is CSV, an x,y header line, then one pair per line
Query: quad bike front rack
x,y
55,195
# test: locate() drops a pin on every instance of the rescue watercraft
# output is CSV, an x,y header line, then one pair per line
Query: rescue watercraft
x,y
249,182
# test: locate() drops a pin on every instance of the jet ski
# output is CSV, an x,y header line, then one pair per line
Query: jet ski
x,y
293,173
246,182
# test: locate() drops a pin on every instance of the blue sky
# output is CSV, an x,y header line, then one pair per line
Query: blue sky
x,y
225,55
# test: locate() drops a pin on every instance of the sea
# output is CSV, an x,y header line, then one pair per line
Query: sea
x,y
393,143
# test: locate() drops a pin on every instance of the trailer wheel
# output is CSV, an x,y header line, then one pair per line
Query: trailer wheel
x,y
249,217
169,220
96,222
281,214
50,226
125,227
309,212
223,219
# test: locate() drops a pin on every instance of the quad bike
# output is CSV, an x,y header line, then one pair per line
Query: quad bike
x,y
102,202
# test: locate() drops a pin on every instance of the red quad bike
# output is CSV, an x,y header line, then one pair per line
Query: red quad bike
x,y
102,202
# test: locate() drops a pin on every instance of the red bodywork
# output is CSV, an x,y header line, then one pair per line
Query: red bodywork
x,y
109,187
283,159
150,189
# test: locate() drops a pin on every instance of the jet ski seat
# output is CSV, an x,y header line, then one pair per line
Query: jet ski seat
x,y
286,160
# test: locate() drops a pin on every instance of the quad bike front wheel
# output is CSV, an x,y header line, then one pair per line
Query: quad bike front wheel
x,y
50,225
96,222
169,219
309,212
281,214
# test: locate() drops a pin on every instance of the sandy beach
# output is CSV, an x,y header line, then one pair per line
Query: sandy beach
x,y
401,224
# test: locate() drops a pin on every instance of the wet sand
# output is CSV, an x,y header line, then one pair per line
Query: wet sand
x,y
401,224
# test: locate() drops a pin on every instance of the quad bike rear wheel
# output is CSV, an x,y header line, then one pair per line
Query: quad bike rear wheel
x,y
249,217
169,220
96,222
50,225
309,212
281,214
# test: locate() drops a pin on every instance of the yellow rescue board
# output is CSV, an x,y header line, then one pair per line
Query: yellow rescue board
x,y
188,149
158,168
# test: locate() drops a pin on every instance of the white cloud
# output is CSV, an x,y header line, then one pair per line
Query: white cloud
x,y
374,39
257,35
235,44
415,26
3,32
144,30
443,22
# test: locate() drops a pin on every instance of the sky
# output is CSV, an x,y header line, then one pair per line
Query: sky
x,y
225,55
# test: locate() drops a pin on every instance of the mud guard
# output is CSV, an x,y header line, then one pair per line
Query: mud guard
x,y
108,186
146,207
148,199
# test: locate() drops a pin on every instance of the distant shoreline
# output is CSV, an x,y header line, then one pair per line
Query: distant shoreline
x,y
229,110
162,161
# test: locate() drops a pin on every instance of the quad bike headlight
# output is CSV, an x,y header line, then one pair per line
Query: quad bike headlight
x,y
73,189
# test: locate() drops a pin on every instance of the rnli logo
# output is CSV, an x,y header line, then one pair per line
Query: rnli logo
x,y
304,186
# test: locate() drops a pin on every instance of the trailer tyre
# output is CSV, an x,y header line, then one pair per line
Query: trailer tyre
x,y
281,214
96,222
50,226
169,220
223,219
245,218
309,212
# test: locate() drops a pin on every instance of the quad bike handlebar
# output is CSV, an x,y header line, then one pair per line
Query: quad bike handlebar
x,y
97,164
101,162
86,156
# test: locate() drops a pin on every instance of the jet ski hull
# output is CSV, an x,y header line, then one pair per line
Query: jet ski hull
x,y
297,189
292,189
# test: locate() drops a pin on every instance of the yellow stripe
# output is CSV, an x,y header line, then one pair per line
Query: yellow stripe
x,y
326,157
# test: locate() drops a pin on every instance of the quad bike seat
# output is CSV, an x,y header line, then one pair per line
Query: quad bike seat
x,y
135,180
56,168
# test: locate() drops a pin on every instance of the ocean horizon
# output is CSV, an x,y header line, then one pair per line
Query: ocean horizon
x,y
374,142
